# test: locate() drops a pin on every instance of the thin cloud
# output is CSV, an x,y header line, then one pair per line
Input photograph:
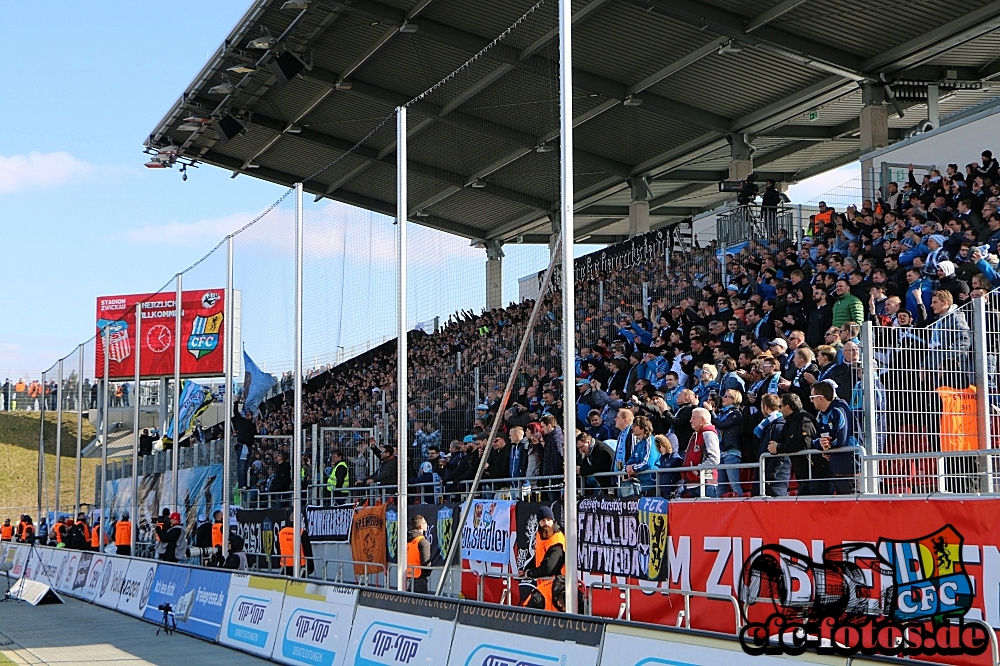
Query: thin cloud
x,y
19,173
210,230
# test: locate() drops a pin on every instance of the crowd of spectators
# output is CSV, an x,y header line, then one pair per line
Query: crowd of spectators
x,y
767,361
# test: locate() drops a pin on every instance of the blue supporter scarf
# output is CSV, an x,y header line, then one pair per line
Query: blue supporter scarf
x,y
620,458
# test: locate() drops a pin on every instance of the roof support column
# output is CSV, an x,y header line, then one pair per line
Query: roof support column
x,y
494,275
638,208
741,155
874,132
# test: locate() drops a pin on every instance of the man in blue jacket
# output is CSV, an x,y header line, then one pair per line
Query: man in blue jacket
x,y
835,428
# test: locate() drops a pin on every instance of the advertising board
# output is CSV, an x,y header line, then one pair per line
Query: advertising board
x,y
168,586
137,586
109,589
315,626
401,630
98,563
711,555
490,636
201,607
253,611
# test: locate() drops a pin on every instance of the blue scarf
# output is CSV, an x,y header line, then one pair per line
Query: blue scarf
x,y
620,458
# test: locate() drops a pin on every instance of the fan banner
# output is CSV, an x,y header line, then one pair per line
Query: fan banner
x,y
202,328
329,523
945,552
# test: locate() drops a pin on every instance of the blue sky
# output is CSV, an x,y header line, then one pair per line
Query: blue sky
x,y
84,82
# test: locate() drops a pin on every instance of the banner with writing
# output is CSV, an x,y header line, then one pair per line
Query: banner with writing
x,y
653,523
259,530
329,523
609,539
487,534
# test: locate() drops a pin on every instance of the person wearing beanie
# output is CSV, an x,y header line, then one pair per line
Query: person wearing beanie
x,y
950,282
935,243
548,563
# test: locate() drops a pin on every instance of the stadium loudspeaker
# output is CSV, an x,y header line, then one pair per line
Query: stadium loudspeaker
x,y
228,128
34,592
285,67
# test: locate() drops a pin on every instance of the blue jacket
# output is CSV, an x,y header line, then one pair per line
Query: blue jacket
x,y
838,419
729,423
645,457
988,271
925,294
907,256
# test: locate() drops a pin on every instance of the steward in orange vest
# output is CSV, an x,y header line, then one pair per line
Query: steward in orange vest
x,y
60,529
7,531
286,544
123,535
549,565
418,555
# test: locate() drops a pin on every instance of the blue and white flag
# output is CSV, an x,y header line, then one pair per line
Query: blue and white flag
x,y
194,400
256,385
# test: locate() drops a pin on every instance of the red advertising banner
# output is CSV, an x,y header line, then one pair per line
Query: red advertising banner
x,y
202,328
711,540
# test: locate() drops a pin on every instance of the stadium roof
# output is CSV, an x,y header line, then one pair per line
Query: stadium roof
x,y
788,73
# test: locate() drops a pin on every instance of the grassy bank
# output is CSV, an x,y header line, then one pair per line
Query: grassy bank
x,y
19,461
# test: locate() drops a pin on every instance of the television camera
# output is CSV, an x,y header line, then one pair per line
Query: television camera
x,y
746,190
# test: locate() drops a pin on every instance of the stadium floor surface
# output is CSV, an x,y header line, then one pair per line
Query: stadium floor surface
x,y
79,633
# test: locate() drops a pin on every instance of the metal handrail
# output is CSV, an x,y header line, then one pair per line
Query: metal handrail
x,y
859,451
380,569
626,608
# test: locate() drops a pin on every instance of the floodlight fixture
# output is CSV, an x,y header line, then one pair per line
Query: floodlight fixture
x,y
408,28
631,100
224,88
544,148
242,68
478,184
295,4
266,42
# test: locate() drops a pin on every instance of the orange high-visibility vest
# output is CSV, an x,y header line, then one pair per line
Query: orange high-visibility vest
x,y
60,531
123,533
95,538
413,562
544,587
216,535
542,545
6,532
286,542
86,531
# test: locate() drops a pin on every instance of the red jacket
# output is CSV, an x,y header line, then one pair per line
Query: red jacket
x,y
696,454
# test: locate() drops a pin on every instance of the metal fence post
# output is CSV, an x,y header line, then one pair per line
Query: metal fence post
x,y
317,466
176,443
106,424
59,409
298,377
980,352
79,427
569,306
645,298
868,370
136,415
475,381
41,448
402,523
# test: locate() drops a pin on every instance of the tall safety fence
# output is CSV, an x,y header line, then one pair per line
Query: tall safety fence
x,y
926,403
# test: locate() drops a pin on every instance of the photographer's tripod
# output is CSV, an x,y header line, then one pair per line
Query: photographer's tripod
x,y
168,624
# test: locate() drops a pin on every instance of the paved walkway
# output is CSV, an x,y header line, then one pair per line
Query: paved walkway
x,y
79,633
